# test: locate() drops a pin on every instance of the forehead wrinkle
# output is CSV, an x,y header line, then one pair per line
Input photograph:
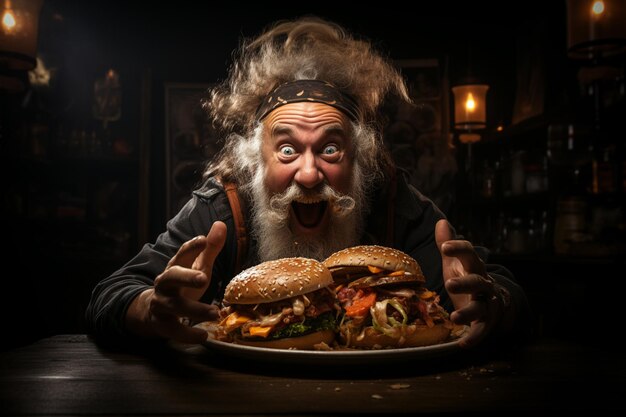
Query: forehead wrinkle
x,y
337,128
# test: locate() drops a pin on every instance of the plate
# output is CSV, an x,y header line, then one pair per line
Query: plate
x,y
330,357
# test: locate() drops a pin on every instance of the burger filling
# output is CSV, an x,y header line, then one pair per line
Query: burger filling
x,y
290,317
390,308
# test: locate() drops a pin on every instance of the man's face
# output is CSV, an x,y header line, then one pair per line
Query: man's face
x,y
307,144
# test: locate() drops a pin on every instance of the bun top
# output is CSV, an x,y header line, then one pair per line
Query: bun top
x,y
277,280
380,256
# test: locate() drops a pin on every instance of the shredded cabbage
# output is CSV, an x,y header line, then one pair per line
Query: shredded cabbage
x,y
385,324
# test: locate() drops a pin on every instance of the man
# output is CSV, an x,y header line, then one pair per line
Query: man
x,y
303,173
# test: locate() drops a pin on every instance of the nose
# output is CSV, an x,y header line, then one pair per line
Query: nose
x,y
309,174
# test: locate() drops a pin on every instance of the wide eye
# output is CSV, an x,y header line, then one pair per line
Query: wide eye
x,y
330,150
287,150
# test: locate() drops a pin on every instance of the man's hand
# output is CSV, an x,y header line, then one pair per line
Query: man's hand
x,y
158,311
475,295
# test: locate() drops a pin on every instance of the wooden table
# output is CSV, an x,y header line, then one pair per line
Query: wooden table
x,y
70,375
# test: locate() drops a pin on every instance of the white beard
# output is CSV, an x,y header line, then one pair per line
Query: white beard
x,y
270,221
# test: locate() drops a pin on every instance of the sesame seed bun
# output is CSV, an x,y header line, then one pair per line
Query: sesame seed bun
x,y
415,336
277,280
352,259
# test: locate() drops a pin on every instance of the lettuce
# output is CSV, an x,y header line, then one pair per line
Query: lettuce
x,y
324,321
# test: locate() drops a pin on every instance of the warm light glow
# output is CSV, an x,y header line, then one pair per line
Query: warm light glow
x,y
595,28
597,8
469,137
8,20
470,109
470,104
500,128
19,24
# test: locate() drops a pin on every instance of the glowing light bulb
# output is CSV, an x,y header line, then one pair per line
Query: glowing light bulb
x,y
8,20
598,7
470,104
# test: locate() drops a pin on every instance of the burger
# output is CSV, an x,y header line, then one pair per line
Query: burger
x,y
285,304
383,300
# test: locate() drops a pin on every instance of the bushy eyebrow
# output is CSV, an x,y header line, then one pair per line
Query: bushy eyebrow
x,y
335,128
281,130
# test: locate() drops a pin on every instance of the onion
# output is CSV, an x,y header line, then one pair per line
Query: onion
x,y
307,302
385,324
298,306
271,320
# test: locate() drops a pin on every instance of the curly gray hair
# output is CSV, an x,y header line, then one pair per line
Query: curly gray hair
x,y
307,48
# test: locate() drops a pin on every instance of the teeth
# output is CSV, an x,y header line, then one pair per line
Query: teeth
x,y
308,200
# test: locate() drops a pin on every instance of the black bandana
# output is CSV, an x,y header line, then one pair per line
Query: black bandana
x,y
308,90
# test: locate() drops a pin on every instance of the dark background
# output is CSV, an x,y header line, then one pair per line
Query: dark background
x,y
55,258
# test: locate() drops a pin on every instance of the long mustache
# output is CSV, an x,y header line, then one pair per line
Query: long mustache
x,y
341,204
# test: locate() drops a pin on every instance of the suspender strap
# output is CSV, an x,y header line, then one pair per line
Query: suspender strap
x,y
240,225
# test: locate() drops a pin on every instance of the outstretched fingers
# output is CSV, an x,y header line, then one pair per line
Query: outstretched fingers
x,y
188,252
173,279
213,244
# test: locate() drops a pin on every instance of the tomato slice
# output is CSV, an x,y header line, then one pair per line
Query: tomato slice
x,y
361,306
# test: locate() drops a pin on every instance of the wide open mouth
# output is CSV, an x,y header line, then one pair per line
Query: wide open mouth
x,y
309,214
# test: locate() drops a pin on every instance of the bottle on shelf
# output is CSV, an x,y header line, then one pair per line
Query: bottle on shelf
x,y
517,173
570,224
516,241
501,234
488,181
604,175
543,235
536,175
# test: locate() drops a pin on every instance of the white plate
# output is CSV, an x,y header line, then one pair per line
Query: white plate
x,y
332,357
